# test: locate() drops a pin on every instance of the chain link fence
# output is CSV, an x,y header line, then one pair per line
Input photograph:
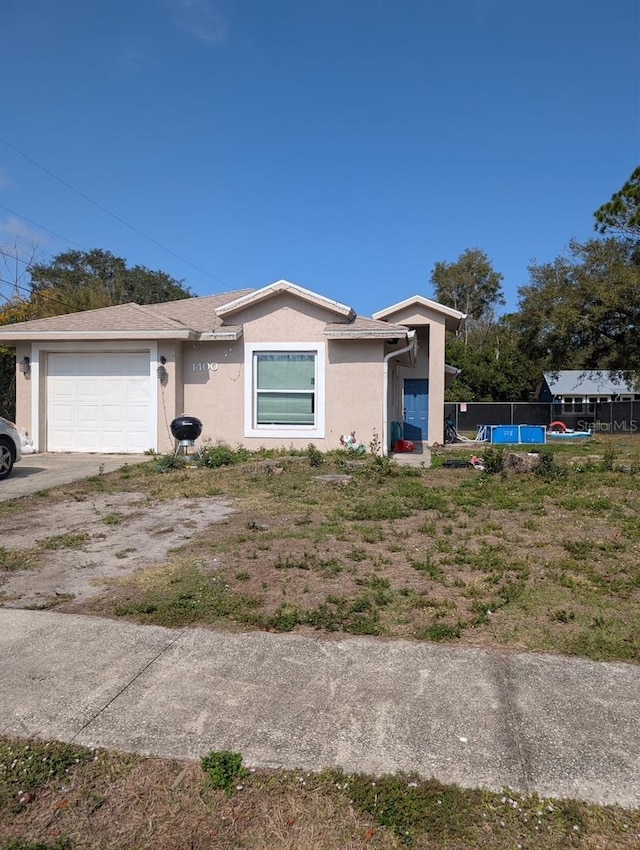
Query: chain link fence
x,y
611,417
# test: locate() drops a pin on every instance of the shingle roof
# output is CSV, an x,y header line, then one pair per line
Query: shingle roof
x,y
198,313
187,318
189,314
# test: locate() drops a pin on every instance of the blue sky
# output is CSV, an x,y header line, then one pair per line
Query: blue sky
x,y
346,145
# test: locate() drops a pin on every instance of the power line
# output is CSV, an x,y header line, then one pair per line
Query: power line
x,y
36,294
42,227
5,253
112,214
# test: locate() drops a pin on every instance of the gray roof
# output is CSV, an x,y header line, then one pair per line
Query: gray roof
x,y
579,382
198,314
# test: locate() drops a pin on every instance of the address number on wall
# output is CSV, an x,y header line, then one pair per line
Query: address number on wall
x,y
205,367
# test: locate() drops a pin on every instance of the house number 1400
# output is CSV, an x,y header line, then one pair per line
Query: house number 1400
x,y
205,367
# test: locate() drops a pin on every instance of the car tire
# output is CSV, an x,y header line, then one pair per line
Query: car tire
x,y
7,456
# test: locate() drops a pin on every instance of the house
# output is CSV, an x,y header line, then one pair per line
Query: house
x,y
277,366
577,391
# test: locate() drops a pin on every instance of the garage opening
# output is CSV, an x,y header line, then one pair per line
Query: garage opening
x,y
100,402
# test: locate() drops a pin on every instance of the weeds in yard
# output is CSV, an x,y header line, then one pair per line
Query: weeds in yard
x,y
609,457
548,466
71,540
494,459
316,457
27,766
213,457
487,548
169,463
224,769
136,801
427,565
180,595
14,559
112,519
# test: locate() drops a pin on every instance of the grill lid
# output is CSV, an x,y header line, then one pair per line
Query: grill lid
x,y
186,427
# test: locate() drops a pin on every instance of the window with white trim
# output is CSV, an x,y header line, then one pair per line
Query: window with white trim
x,y
284,390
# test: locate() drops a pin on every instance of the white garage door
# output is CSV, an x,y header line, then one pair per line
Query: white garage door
x,y
99,402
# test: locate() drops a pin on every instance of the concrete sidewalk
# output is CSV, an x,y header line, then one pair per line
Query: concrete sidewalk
x,y
561,727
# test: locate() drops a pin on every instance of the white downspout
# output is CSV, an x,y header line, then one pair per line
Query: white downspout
x,y
411,336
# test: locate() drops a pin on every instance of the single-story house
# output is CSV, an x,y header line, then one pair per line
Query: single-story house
x,y
277,366
577,391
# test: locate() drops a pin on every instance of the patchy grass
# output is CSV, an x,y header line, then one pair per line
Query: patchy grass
x,y
59,797
71,540
483,559
15,559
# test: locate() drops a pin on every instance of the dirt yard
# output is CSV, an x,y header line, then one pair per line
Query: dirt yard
x,y
77,544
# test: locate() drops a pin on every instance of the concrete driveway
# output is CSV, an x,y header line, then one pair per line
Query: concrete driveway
x,y
42,471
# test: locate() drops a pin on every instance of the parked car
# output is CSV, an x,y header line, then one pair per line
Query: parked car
x,y
10,447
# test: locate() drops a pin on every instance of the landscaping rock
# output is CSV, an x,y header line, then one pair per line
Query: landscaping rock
x,y
269,467
521,462
334,479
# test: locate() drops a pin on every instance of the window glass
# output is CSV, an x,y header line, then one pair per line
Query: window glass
x,y
286,371
285,388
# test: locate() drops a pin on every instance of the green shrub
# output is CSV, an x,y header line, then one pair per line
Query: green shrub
x,y
286,618
169,463
494,458
316,458
442,631
548,466
223,769
212,457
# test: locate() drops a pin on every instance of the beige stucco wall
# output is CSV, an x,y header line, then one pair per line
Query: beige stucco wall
x,y
170,392
353,376
23,390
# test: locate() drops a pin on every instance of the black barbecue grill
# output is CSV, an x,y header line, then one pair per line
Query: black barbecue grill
x,y
186,430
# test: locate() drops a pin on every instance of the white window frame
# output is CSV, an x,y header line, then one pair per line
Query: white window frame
x,y
251,428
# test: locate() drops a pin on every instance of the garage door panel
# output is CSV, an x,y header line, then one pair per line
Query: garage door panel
x,y
99,403
63,415
139,391
112,419
88,416
136,419
67,390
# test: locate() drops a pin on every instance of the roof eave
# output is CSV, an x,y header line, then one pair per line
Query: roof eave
x,y
279,287
382,333
424,302
80,336
226,334
392,333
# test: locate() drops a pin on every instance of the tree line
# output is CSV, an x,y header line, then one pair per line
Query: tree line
x,y
581,311
72,281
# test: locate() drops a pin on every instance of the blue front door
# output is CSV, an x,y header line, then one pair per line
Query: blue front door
x,y
416,410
